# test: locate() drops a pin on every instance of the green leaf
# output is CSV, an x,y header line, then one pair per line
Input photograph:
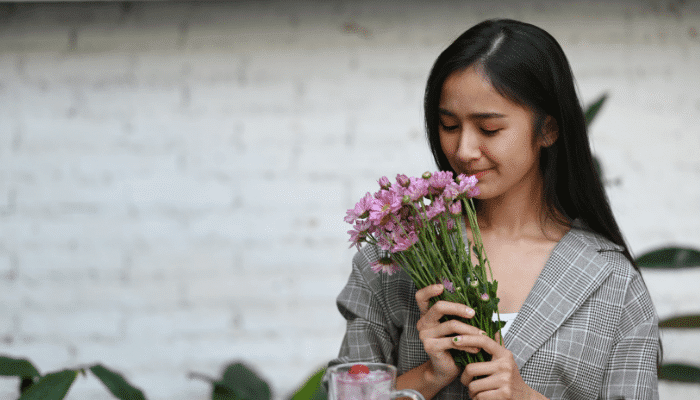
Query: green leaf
x,y
592,110
313,389
222,393
25,384
685,321
670,257
17,367
52,386
598,168
680,373
240,383
117,384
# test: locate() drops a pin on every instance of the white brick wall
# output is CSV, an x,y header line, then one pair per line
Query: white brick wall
x,y
173,177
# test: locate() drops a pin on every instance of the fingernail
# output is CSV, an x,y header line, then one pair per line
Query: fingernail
x,y
456,339
470,312
483,333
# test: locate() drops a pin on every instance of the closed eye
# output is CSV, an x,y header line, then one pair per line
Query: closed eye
x,y
489,132
448,127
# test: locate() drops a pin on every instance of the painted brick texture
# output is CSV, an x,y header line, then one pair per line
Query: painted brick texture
x,y
173,175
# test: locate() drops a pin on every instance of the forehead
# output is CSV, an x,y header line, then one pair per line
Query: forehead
x,y
471,91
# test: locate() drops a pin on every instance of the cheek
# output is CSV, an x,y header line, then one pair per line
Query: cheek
x,y
447,145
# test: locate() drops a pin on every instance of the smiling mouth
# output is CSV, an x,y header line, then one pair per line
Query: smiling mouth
x,y
481,173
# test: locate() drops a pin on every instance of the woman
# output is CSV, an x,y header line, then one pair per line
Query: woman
x,y
501,104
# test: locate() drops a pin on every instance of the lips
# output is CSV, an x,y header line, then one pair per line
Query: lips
x,y
479,174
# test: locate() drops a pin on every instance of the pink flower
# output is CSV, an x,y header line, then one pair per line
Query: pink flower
x,y
386,203
473,192
359,233
356,237
449,286
384,242
384,265
485,297
403,180
384,182
361,209
404,242
417,189
466,181
439,180
436,208
456,208
451,191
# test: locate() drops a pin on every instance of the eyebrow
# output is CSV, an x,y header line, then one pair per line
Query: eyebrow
x,y
473,115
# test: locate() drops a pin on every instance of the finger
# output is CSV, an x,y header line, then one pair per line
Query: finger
x,y
449,328
484,369
424,295
478,388
481,341
486,374
438,345
442,308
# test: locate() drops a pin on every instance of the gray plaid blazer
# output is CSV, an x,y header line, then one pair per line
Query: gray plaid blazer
x,y
587,330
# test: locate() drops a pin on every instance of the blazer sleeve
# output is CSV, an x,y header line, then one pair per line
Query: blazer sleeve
x,y
370,336
631,371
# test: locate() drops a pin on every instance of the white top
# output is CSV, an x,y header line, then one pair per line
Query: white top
x,y
508,318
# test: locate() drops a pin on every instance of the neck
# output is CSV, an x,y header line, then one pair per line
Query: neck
x,y
516,214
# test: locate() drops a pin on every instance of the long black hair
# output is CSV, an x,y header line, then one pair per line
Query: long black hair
x,y
526,65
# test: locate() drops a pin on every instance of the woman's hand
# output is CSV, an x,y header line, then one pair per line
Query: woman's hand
x,y
438,337
500,377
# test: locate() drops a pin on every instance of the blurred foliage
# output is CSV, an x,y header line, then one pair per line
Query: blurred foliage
x,y
55,385
664,258
680,373
682,322
670,258
313,389
594,108
239,382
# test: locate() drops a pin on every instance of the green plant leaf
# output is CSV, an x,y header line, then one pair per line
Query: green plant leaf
x,y
683,322
22,368
670,258
680,373
17,367
240,383
593,109
313,389
222,393
598,168
52,386
117,384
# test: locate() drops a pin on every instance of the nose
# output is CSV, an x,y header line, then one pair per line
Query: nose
x,y
469,145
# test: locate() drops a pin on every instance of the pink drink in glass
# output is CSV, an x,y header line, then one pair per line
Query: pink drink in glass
x,y
375,385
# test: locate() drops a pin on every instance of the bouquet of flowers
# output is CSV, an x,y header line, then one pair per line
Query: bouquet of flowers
x,y
417,223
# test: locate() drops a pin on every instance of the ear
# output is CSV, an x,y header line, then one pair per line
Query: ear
x,y
550,132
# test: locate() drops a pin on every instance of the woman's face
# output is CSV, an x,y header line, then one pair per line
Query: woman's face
x,y
484,133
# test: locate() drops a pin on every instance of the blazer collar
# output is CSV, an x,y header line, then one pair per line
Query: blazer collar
x,y
574,270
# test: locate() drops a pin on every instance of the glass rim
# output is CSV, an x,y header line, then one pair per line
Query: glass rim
x,y
339,367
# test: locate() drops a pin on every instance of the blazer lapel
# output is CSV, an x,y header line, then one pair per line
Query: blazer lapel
x,y
572,273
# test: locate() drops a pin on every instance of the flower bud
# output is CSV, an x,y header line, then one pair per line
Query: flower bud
x,y
427,175
403,180
485,297
384,182
406,199
474,283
